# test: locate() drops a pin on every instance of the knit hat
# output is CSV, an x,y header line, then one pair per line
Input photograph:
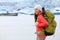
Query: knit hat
x,y
39,7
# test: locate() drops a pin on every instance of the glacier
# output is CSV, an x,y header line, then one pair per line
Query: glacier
x,y
28,5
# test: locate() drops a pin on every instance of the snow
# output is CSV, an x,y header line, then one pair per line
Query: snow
x,y
17,28
27,10
22,27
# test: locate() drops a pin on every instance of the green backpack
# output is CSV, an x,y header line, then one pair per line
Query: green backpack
x,y
50,30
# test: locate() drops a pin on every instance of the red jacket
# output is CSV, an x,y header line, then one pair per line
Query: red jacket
x,y
42,22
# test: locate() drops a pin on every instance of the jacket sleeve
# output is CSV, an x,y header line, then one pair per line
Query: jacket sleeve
x,y
42,22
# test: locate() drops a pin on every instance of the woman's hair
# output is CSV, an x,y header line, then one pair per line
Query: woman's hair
x,y
35,17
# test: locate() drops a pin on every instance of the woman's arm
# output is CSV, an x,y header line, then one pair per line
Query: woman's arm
x,y
42,22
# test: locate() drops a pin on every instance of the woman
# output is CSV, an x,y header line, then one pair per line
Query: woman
x,y
41,23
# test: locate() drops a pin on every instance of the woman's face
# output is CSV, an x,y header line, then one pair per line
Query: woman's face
x,y
36,11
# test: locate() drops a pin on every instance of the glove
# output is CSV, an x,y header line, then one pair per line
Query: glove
x,y
38,33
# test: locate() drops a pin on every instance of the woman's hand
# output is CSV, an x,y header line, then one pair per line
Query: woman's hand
x,y
36,23
38,33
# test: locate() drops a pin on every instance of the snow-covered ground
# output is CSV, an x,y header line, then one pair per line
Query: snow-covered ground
x,y
22,27
17,28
